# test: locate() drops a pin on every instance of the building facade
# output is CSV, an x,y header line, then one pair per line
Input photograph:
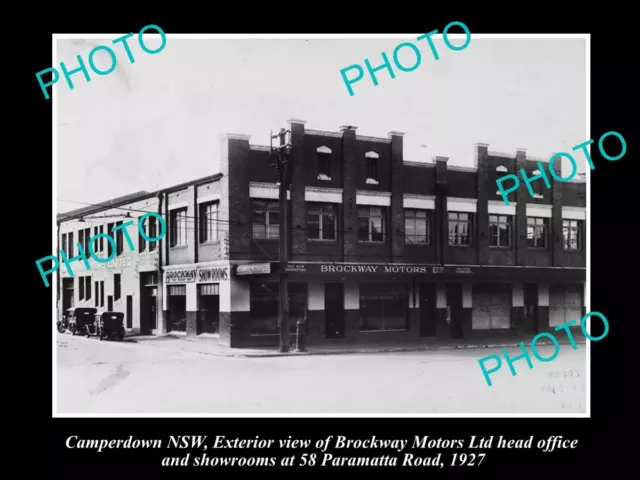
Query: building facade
x,y
382,248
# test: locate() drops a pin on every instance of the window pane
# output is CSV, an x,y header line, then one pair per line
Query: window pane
x,y
363,229
328,227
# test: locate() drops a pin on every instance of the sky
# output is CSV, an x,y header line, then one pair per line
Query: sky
x,y
157,122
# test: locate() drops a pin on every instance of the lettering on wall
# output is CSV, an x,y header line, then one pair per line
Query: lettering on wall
x,y
213,274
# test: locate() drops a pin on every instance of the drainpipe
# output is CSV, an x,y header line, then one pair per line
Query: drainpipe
x,y
160,326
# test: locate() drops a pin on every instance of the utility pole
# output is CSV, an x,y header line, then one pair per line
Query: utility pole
x,y
283,169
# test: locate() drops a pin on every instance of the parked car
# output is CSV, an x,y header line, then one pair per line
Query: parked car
x,y
109,324
79,318
63,324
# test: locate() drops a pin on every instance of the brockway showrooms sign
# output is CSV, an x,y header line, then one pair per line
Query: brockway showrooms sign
x,y
372,268
201,275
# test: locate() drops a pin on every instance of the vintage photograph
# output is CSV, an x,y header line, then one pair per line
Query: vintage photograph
x,y
263,243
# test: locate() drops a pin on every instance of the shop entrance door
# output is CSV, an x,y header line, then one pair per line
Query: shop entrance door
x,y
428,310
333,310
67,294
208,308
147,310
531,307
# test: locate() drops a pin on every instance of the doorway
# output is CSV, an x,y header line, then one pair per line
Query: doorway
x,y
333,310
428,310
67,294
454,304
129,311
208,308
177,319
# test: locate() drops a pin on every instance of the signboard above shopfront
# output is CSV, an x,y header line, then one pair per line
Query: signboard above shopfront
x,y
374,269
446,272
115,263
204,275
254,269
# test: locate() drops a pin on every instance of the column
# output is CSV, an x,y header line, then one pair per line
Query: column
x,y
441,216
486,190
517,307
315,313
520,220
397,198
350,208
542,322
443,327
467,310
301,163
351,309
191,326
235,311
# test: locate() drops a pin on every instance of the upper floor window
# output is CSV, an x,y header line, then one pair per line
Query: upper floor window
x,y
70,246
110,244
324,163
372,167
119,234
460,228
538,185
265,219
322,221
149,227
178,227
500,230
417,228
572,235
372,224
63,245
537,232
98,244
209,222
84,236
87,287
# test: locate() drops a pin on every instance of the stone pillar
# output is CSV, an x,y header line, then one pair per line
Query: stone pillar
x,y
397,199
315,312
351,309
350,208
520,220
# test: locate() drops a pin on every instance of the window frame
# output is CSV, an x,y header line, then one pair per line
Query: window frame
x,y
178,228
578,228
117,286
265,208
532,223
318,209
383,216
470,227
427,219
498,222
207,224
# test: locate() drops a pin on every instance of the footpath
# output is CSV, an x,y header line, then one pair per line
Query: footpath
x,y
209,345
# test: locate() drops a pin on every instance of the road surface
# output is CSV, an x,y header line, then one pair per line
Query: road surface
x,y
113,377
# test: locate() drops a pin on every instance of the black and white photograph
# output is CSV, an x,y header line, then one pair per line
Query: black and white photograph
x,y
313,225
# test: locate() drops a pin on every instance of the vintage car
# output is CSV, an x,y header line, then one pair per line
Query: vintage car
x,y
109,324
79,318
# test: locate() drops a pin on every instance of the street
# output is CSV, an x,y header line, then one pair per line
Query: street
x,y
113,377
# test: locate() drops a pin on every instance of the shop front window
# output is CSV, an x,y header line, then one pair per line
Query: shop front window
x,y
383,307
265,301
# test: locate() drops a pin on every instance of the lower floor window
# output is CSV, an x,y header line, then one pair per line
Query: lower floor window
x,y
565,304
265,304
383,307
491,307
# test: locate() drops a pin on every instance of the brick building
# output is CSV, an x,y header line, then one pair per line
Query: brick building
x,y
382,248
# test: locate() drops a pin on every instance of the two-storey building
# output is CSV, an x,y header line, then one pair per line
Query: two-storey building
x,y
382,248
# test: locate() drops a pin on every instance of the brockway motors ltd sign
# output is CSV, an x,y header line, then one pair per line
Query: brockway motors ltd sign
x,y
372,268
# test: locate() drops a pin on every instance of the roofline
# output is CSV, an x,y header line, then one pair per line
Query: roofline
x,y
100,207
